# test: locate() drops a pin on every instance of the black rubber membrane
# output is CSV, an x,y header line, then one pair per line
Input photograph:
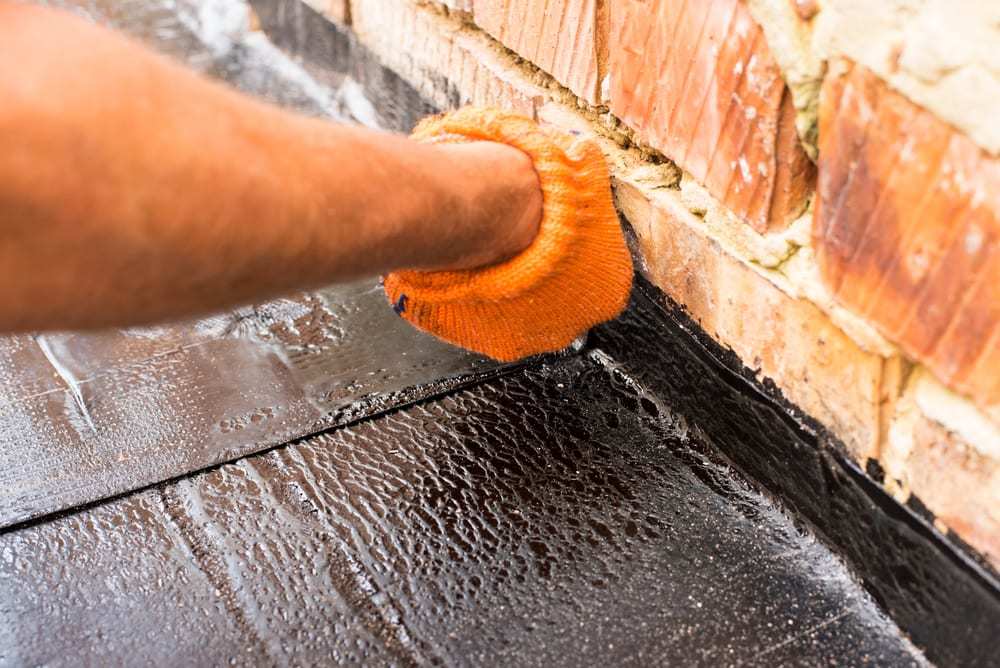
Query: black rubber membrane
x,y
945,601
557,515
610,507
85,416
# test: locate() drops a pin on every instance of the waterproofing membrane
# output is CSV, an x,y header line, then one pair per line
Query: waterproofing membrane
x,y
556,515
84,416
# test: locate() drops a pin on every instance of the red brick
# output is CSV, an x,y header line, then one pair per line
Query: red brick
x,y
696,80
907,229
566,38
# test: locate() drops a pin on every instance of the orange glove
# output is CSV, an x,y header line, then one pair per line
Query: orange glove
x,y
577,273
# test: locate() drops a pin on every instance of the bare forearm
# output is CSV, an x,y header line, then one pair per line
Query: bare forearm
x,y
132,190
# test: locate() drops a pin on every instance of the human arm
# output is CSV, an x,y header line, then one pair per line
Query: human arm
x,y
132,190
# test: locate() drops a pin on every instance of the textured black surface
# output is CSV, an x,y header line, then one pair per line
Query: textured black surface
x,y
946,602
554,516
87,416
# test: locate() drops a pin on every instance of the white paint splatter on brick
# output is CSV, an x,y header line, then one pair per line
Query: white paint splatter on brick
x,y
973,240
745,170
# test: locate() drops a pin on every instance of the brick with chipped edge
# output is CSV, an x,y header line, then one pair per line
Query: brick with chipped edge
x,y
696,80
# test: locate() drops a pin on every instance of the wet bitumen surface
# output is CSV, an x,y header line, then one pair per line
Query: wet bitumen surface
x,y
309,481
84,416
555,515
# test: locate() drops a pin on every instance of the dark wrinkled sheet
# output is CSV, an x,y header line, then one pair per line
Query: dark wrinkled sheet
x,y
559,515
87,416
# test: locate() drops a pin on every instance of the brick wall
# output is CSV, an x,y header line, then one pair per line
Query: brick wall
x,y
818,184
